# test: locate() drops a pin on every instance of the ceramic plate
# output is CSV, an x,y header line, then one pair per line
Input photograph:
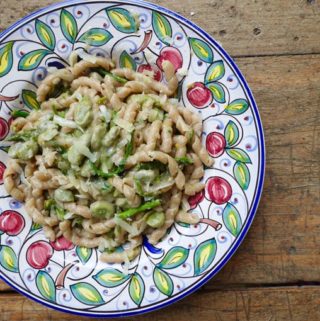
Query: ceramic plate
x,y
71,278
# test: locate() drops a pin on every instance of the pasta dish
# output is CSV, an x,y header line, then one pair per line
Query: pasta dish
x,y
109,157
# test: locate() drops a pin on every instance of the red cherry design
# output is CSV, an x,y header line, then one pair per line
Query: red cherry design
x,y
157,74
39,254
199,95
219,190
215,144
4,128
11,222
171,54
62,244
195,199
2,169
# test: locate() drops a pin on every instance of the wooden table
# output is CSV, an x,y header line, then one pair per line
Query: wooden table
x,y
275,275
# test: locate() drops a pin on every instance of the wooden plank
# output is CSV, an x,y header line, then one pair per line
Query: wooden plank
x,y
258,304
243,27
4,287
283,243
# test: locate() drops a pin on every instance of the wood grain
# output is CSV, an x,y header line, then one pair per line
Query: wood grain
x,y
4,287
243,27
257,304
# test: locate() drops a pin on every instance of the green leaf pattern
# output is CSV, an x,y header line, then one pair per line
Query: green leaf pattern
x,y
136,289
84,254
201,50
162,281
174,258
126,61
231,133
232,219
29,98
162,27
242,174
122,20
68,25
111,278
46,286
204,256
217,91
45,34
8,259
96,37
86,293
6,58
239,155
215,72
32,59
237,107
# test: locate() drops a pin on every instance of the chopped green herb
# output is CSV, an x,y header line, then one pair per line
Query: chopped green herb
x,y
19,113
59,212
102,100
57,90
184,160
152,165
102,72
22,136
49,203
107,187
78,221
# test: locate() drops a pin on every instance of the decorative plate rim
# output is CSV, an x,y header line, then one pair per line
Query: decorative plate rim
x,y
262,159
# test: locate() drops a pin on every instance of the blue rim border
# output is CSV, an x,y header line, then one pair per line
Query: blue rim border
x,y
256,201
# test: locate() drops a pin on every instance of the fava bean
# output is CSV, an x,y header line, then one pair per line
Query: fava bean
x,y
102,209
156,219
24,151
63,195
83,114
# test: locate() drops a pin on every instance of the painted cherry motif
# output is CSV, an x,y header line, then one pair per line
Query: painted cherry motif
x,y
11,222
157,72
4,128
219,190
195,199
199,95
215,144
39,254
2,169
171,54
62,244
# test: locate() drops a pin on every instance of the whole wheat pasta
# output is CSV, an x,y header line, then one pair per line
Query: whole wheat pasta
x,y
108,158
191,119
153,135
11,179
86,82
83,66
166,136
200,150
100,227
180,144
131,112
126,190
171,212
52,80
185,217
